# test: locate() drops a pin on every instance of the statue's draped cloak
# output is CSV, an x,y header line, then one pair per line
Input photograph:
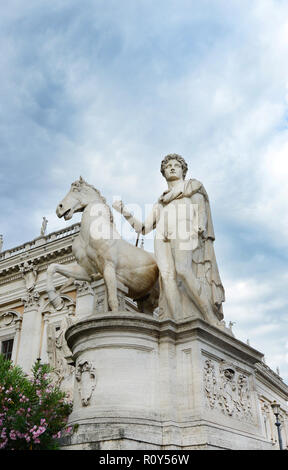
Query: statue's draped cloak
x,y
204,259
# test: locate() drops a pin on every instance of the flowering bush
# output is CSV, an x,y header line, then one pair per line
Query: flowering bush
x,y
33,411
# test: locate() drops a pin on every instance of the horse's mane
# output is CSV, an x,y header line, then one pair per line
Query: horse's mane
x,y
81,182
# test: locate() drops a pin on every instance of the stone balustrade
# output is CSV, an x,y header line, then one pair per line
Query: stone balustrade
x,y
44,239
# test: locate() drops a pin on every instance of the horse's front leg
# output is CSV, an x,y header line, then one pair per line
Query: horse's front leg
x,y
74,272
110,279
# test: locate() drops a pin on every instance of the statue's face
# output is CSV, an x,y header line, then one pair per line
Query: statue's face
x,y
173,170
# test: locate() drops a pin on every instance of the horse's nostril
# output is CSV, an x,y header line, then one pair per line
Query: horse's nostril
x,y
60,206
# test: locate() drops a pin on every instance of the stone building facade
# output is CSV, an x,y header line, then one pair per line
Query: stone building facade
x,y
29,327
237,393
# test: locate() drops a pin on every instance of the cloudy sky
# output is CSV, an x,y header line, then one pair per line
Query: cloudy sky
x,y
106,88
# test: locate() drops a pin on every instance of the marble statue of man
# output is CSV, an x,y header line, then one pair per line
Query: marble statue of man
x,y
44,226
183,245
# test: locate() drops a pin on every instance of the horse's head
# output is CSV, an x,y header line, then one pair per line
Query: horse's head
x,y
80,194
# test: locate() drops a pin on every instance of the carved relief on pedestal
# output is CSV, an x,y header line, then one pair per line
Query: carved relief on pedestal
x,y
60,355
86,378
244,401
210,383
227,390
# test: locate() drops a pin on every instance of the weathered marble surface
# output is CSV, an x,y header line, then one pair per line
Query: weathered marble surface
x,y
160,384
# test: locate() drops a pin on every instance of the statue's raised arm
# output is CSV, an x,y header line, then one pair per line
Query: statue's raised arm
x,y
140,227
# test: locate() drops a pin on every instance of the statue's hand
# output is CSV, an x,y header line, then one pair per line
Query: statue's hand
x,y
118,206
165,198
168,196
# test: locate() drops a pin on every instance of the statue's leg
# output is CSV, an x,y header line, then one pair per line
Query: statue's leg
x,y
183,266
110,279
72,271
167,271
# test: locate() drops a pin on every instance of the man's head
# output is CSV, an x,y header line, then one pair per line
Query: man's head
x,y
170,163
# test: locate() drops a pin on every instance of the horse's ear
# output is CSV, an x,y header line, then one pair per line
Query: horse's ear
x,y
81,180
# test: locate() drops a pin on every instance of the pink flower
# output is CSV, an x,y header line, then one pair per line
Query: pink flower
x,y
3,444
37,432
13,435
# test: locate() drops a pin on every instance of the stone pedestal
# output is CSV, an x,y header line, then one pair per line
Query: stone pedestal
x,y
144,383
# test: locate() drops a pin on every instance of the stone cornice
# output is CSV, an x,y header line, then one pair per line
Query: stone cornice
x,y
270,378
40,250
219,337
177,331
109,321
7,277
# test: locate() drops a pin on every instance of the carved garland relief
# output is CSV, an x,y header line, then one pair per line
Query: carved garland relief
x,y
227,390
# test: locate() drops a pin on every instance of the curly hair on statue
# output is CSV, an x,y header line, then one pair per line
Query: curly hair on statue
x,y
174,156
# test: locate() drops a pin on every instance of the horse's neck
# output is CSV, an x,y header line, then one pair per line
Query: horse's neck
x,y
94,210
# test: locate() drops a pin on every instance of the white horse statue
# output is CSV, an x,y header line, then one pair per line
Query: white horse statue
x,y
99,249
